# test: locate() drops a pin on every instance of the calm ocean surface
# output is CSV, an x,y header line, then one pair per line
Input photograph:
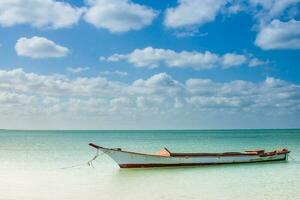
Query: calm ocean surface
x,y
32,162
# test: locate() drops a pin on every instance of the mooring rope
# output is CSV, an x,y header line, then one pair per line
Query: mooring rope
x,y
88,163
289,156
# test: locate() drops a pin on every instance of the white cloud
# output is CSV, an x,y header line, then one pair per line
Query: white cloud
x,y
152,57
192,13
209,102
160,99
273,33
54,85
117,72
189,33
13,99
157,84
119,103
272,8
39,47
231,60
38,13
118,15
254,62
146,102
236,7
279,35
50,100
189,15
77,70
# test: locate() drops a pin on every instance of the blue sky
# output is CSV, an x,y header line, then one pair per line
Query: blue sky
x,y
120,64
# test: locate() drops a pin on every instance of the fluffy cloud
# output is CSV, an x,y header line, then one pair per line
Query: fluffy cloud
x,y
272,8
189,15
38,13
39,47
192,13
160,98
152,57
54,85
231,59
13,99
117,72
279,35
155,85
77,70
118,15
272,32
254,62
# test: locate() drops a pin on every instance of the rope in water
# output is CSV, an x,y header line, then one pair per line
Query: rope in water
x,y
89,162
289,156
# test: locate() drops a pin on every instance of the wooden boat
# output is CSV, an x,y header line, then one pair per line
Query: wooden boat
x,y
166,158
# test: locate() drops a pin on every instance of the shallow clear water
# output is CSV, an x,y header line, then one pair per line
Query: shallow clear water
x,y
32,162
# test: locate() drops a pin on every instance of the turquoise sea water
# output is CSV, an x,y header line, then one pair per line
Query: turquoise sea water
x,y
32,166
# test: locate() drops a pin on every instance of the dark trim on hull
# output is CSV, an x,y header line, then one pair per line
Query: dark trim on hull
x,y
190,164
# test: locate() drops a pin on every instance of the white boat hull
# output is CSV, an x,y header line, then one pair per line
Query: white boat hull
x,y
138,160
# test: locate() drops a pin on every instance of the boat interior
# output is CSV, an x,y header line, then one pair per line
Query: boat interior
x,y
261,152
